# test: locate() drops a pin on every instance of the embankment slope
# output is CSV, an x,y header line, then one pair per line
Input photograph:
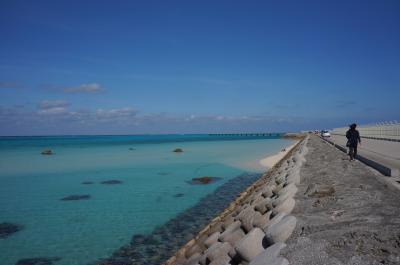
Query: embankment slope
x,y
345,213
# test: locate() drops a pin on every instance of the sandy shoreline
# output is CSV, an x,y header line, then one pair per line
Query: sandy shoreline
x,y
271,161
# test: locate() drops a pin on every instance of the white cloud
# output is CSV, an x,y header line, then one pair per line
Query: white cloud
x,y
85,88
57,116
53,111
52,107
190,118
105,114
50,104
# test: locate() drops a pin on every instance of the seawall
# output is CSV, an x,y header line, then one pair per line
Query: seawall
x,y
255,225
347,213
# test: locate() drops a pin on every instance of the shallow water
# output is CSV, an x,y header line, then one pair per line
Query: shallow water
x,y
154,189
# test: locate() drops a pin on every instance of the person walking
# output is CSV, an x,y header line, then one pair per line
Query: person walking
x,y
353,139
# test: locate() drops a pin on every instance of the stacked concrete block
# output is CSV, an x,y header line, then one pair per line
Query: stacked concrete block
x,y
253,229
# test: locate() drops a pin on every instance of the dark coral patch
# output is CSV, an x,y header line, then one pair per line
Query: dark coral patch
x,y
203,180
138,239
167,239
115,261
111,182
47,152
178,195
38,261
87,182
7,229
76,197
178,150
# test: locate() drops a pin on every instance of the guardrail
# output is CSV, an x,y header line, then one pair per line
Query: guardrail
x,y
389,131
385,170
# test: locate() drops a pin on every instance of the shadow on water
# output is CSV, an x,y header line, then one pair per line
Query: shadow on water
x,y
165,240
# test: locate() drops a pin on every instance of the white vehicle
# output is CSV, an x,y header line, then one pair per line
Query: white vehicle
x,y
325,134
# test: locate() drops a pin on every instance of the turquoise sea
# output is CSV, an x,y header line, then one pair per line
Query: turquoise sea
x,y
153,188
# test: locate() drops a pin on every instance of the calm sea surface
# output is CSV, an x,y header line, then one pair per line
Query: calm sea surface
x,y
154,188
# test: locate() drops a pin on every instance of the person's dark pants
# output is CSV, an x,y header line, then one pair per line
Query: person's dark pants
x,y
353,151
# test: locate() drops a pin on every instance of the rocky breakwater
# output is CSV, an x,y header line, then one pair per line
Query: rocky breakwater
x,y
254,228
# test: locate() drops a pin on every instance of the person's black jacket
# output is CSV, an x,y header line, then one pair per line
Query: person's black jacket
x,y
353,137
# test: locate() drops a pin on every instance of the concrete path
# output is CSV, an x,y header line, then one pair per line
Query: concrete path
x,y
346,212
384,152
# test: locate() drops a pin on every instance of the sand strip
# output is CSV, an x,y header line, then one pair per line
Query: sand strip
x,y
271,161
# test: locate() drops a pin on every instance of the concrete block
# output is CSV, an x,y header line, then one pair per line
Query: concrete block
x,y
268,255
264,205
262,220
218,249
285,207
233,236
212,239
275,219
251,245
281,231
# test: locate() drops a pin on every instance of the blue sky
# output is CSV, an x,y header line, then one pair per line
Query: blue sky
x,y
127,67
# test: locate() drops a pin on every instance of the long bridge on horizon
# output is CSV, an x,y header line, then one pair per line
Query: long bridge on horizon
x,y
248,134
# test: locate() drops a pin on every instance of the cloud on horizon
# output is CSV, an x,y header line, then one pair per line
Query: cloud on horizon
x,y
49,107
89,88
85,88
56,117
48,104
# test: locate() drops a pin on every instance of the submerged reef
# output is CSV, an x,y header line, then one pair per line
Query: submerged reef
x,y
47,152
7,229
87,182
203,180
38,261
118,261
158,246
178,150
76,197
111,182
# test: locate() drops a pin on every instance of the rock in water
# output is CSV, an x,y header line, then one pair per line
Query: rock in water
x,y
204,180
76,197
7,229
138,239
47,152
178,150
115,261
38,261
87,182
111,182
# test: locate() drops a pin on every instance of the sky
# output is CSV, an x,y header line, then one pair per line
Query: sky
x,y
139,67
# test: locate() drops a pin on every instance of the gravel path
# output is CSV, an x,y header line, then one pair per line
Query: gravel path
x,y
346,213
